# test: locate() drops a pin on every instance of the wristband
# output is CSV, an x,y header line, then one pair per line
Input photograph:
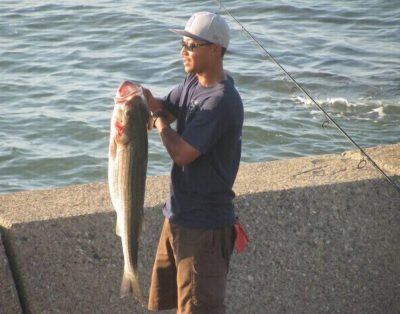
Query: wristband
x,y
158,114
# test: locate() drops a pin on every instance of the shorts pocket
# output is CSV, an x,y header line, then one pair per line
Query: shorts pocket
x,y
209,273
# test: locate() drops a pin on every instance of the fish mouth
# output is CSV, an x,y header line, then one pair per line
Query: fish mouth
x,y
125,100
126,88
127,91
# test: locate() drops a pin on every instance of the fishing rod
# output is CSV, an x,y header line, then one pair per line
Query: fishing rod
x,y
327,115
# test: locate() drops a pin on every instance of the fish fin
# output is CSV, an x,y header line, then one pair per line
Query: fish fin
x,y
130,283
113,149
117,229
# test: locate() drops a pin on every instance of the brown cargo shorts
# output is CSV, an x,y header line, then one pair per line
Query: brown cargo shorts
x,y
190,269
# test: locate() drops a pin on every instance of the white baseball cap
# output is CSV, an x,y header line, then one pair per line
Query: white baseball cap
x,y
206,26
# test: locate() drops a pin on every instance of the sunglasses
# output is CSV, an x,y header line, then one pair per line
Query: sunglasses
x,y
191,47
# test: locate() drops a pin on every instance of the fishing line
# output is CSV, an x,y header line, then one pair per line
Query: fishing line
x,y
365,156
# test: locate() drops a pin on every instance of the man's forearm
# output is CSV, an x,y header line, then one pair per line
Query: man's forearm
x,y
179,150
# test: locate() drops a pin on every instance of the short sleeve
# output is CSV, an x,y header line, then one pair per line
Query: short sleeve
x,y
171,101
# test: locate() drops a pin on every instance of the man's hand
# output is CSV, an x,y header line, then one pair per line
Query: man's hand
x,y
154,104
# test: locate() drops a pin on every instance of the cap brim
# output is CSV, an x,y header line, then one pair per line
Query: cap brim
x,y
187,34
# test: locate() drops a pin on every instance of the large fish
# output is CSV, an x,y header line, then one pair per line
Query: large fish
x,y
127,176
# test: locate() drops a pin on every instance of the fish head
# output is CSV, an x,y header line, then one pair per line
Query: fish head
x,y
130,112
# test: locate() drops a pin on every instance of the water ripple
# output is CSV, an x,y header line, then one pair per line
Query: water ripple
x,y
61,62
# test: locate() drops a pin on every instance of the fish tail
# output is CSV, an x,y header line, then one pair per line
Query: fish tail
x,y
130,283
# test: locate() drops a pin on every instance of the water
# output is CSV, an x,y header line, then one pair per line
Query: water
x,y
61,62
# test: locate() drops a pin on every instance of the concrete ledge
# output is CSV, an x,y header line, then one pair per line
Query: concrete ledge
x,y
325,239
9,302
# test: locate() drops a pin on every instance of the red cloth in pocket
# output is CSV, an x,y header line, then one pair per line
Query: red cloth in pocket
x,y
242,239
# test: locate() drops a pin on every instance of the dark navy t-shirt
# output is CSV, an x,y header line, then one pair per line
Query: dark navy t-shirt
x,y
210,119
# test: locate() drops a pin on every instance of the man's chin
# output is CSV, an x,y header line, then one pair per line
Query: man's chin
x,y
188,70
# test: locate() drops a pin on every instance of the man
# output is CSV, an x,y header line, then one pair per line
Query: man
x,y
197,238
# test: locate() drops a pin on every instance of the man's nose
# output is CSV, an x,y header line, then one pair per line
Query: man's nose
x,y
184,52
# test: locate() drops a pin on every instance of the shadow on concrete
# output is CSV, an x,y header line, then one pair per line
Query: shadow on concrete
x,y
321,249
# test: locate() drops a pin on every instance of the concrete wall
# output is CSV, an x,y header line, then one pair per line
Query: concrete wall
x,y
9,302
325,238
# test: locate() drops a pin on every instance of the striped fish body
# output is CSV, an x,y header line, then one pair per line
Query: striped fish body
x,y
127,168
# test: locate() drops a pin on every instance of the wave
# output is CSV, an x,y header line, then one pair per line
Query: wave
x,y
363,108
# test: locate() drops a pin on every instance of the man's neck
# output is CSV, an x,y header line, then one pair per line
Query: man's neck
x,y
211,78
